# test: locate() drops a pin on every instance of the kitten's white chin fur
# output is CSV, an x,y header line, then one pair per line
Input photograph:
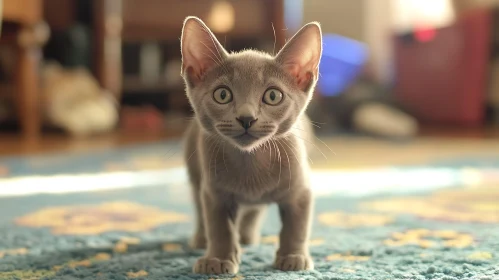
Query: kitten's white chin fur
x,y
247,142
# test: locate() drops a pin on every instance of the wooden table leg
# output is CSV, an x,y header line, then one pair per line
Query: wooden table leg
x,y
29,43
108,25
28,87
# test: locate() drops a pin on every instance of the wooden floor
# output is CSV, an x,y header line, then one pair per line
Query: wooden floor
x,y
11,144
54,142
460,132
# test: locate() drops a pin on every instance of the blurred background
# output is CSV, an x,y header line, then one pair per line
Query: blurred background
x,y
79,74
407,105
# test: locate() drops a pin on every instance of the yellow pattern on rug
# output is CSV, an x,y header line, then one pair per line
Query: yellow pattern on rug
x,y
95,219
477,205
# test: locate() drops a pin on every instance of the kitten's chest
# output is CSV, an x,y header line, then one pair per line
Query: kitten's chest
x,y
249,177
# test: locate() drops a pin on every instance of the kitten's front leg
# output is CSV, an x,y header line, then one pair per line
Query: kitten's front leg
x,y
293,251
223,253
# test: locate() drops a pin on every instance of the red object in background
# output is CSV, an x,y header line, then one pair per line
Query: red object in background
x,y
443,80
425,34
142,119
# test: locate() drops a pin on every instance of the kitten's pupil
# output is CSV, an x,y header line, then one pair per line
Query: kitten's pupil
x,y
223,94
272,95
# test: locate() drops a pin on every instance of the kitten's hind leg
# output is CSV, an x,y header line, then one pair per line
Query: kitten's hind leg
x,y
249,224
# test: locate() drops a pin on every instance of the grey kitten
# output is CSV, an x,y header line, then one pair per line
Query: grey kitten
x,y
248,144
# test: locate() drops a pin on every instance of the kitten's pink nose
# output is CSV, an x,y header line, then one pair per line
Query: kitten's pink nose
x,y
246,121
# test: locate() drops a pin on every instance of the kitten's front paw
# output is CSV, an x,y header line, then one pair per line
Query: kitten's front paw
x,y
294,262
215,266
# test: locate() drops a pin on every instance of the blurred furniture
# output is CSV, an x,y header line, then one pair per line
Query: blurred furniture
x,y
104,18
108,25
154,27
441,74
462,6
23,27
160,20
493,94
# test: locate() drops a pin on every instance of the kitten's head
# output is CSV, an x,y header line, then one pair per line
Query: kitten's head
x,y
249,97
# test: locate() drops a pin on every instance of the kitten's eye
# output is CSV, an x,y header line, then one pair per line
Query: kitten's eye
x,y
222,95
272,96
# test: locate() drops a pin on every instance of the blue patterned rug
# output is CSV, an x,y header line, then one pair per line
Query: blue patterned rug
x,y
126,214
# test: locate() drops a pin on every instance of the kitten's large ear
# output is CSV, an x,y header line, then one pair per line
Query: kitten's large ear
x,y
200,49
301,55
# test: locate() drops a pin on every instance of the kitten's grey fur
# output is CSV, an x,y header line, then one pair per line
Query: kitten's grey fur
x,y
243,153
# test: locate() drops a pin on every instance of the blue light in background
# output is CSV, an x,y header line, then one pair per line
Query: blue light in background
x,y
342,61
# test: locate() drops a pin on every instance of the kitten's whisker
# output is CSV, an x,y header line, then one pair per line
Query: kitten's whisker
x,y
216,47
274,156
324,144
310,143
315,125
211,57
296,149
267,126
167,152
218,61
216,155
219,57
218,51
223,157
189,158
279,157
289,167
270,153
211,156
271,161
275,39
292,150
174,153
296,125
211,51
293,147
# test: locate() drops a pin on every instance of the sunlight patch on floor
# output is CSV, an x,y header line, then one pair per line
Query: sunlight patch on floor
x,y
353,182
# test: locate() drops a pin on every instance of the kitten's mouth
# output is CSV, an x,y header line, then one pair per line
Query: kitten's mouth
x,y
245,139
245,135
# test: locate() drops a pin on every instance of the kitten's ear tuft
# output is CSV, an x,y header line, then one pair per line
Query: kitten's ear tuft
x,y
301,55
200,49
